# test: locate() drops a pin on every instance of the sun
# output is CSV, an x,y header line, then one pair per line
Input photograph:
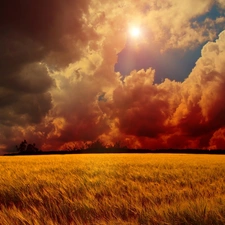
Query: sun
x,y
135,32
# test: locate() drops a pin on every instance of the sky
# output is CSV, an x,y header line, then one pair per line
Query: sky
x,y
71,72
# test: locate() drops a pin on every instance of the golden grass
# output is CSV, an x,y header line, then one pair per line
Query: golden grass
x,y
114,189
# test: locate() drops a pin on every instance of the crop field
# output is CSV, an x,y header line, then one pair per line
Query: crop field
x,y
112,189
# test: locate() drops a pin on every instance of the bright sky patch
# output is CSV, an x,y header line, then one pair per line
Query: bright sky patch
x,y
135,32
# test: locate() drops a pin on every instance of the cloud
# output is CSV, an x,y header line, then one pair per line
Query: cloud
x,y
221,3
218,139
202,106
58,85
175,25
208,77
192,110
140,106
36,38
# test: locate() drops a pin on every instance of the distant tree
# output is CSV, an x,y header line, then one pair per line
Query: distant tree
x,y
31,148
24,147
96,145
119,145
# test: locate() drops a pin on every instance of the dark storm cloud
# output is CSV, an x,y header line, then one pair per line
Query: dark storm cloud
x,y
34,33
25,92
26,109
33,30
58,27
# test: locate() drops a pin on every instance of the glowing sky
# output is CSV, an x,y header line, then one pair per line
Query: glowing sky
x,y
70,72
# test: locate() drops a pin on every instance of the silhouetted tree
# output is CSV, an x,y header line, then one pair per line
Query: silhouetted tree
x,y
31,148
24,147
96,145
119,145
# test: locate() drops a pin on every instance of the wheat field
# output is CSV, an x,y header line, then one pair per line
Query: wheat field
x,y
112,189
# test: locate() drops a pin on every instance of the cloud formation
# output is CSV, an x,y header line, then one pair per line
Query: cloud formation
x,y
58,85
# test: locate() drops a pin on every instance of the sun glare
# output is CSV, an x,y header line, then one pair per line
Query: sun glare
x,y
135,32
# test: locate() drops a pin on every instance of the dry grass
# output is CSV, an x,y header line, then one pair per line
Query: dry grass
x,y
112,189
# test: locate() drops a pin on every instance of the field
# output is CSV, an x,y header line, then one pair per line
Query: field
x,y
113,189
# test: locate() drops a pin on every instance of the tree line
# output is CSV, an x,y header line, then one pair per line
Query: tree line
x,y
25,148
